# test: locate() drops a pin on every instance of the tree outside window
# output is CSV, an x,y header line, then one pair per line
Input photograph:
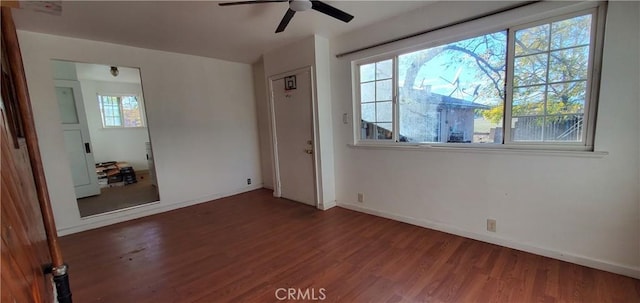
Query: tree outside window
x,y
120,111
458,92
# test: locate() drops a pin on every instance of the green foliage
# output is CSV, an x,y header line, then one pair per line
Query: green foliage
x,y
550,68
494,114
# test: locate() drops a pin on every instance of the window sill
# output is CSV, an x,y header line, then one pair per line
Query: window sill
x,y
110,128
485,150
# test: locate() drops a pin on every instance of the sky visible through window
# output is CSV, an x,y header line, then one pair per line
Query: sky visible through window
x,y
453,73
456,92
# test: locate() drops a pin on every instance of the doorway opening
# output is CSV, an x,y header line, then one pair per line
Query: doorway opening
x,y
293,136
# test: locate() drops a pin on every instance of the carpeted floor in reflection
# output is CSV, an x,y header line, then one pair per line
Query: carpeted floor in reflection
x,y
114,198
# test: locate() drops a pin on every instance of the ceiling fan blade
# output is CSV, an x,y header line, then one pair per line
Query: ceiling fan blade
x,y
285,20
331,11
249,2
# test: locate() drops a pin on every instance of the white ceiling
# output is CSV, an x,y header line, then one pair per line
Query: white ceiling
x,y
98,72
236,33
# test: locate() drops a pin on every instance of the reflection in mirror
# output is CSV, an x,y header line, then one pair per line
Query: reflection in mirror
x,y
106,137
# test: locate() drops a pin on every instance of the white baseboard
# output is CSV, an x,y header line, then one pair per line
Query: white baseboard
x,y
633,272
327,205
127,214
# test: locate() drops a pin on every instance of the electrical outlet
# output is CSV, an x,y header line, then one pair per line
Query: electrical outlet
x,y
491,225
248,181
361,197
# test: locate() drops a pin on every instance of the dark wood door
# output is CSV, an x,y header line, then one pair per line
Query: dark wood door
x,y
24,241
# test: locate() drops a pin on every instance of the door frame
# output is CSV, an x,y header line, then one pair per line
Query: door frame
x,y
277,191
84,125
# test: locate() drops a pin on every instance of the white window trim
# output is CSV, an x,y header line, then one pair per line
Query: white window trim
x,y
591,97
535,13
140,102
394,99
508,150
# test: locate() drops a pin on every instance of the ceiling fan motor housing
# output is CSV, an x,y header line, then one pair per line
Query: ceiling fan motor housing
x,y
300,5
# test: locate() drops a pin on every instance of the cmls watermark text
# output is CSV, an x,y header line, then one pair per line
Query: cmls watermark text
x,y
306,294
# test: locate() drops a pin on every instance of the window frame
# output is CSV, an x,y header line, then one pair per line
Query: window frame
x,y
120,96
543,13
394,103
590,98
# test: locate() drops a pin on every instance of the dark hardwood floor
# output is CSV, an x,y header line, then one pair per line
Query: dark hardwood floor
x,y
244,248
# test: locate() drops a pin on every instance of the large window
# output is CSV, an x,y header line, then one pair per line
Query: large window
x,y
526,85
120,111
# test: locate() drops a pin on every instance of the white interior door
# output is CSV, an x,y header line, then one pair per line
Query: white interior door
x,y
293,132
76,138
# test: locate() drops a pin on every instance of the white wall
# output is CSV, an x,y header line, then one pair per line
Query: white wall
x,y
325,119
637,86
114,144
312,51
200,112
290,57
262,114
581,209
64,70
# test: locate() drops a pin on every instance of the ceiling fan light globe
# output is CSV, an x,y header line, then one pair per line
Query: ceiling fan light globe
x,y
300,5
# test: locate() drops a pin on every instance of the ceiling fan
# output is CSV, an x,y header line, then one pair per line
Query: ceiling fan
x,y
299,6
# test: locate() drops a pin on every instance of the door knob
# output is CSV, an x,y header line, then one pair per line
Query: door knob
x,y
309,151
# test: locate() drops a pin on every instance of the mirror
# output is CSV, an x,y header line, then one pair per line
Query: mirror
x,y
103,119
